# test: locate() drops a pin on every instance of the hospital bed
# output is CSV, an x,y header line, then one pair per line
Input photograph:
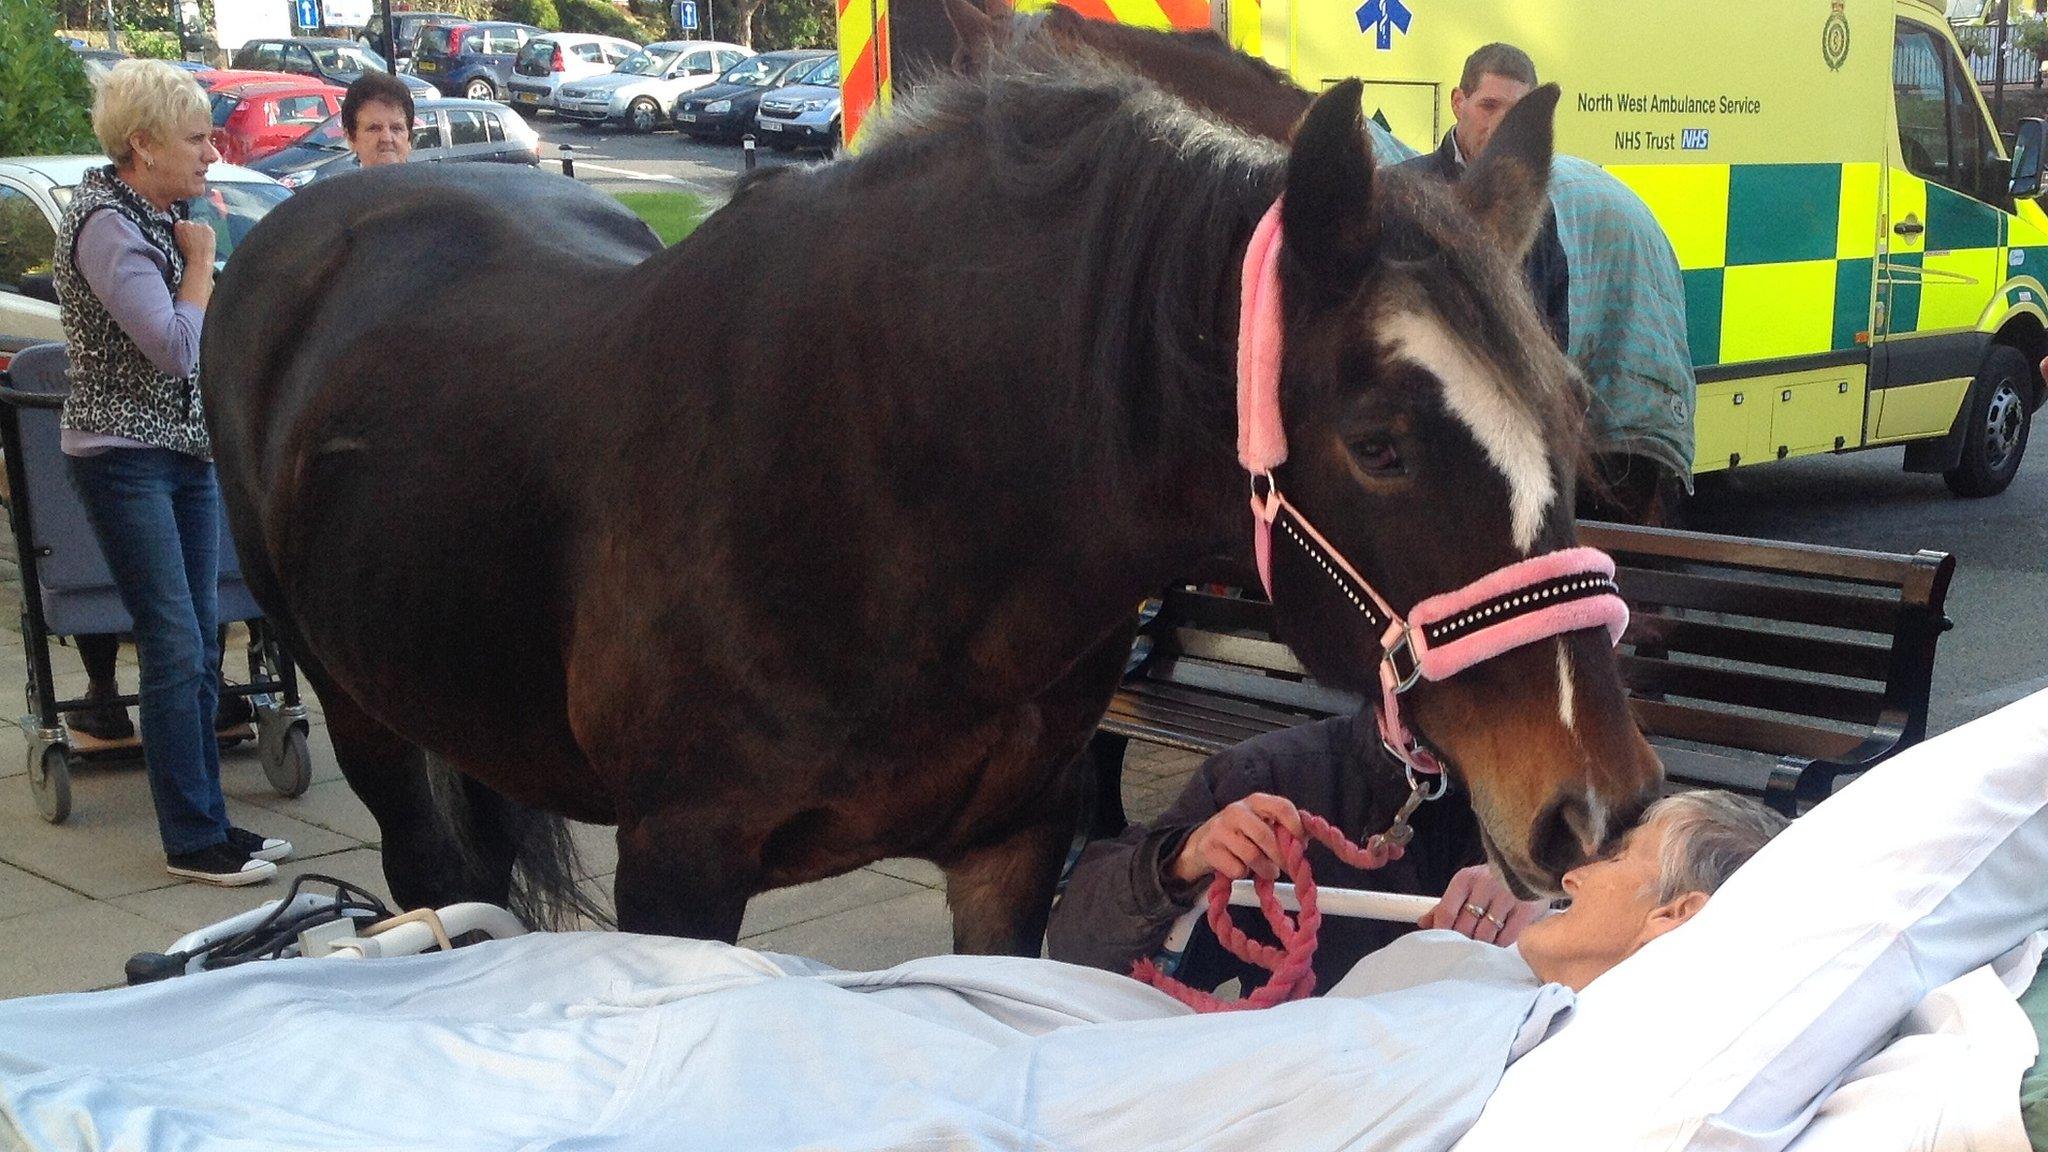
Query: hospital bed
x,y
1850,990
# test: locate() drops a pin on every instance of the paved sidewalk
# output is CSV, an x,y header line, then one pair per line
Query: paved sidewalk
x,y
76,900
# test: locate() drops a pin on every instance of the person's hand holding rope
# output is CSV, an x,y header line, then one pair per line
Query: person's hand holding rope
x,y
1238,841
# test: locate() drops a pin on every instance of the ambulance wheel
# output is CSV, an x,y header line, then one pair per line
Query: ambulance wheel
x,y
49,778
1995,426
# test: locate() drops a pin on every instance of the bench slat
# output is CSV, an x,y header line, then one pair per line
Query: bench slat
x,y
1750,733
1764,601
1913,575
1265,655
1750,690
1754,646
1307,696
1242,707
1218,613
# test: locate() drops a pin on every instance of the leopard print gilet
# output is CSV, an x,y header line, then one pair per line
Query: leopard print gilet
x,y
115,390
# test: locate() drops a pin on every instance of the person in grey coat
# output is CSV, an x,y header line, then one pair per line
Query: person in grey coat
x,y
1125,893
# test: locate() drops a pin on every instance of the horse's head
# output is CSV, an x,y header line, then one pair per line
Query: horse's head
x,y
1432,436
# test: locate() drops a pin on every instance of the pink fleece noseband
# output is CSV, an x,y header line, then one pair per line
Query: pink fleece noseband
x,y
1530,600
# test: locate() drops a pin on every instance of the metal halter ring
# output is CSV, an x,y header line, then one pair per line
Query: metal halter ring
x,y
1442,783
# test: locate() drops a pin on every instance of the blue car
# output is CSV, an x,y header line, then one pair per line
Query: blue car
x,y
472,60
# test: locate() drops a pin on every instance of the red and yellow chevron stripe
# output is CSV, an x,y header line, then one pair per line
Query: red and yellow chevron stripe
x,y
863,64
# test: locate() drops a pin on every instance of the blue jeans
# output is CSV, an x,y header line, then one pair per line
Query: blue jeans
x,y
157,514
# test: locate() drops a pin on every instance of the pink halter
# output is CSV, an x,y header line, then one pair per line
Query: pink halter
x,y
1527,601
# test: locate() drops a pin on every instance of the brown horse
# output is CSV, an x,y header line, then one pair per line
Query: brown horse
x,y
813,539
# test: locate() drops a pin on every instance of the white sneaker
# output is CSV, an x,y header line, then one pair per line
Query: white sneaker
x,y
220,864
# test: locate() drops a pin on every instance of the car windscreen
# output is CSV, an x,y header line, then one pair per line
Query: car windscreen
x,y
649,61
232,209
327,136
224,105
753,72
538,55
347,60
825,75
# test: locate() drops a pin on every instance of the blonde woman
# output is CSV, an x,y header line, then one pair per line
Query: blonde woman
x,y
133,280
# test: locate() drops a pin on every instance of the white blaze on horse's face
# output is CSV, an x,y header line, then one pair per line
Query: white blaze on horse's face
x,y
1567,710
1510,437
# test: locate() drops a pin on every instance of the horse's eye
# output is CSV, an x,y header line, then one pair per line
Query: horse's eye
x,y
1377,457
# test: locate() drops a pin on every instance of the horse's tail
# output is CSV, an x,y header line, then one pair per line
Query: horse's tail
x,y
488,827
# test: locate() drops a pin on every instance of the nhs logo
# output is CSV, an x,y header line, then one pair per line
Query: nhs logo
x,y
1693,140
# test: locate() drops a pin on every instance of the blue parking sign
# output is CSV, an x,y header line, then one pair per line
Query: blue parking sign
x,y
308,13
686,15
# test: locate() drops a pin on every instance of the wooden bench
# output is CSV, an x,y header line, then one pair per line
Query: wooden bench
x,y
1765,668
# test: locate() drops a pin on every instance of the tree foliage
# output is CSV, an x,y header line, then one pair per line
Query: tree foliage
x,y
45,100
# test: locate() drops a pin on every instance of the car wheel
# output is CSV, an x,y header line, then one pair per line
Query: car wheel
x,y
832,141
480,89
1996,420
644,115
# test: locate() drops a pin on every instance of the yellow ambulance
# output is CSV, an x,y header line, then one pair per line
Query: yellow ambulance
x,y
1858,271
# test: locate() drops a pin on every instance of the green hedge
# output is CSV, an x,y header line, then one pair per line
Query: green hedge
x,y
539,13
601,18
45,100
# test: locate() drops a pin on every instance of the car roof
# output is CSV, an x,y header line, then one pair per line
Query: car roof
x,y
797,53
486,23
583,37
67,171
248,88
683,44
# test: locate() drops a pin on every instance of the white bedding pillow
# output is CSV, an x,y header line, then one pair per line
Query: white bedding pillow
x,y
1727,1033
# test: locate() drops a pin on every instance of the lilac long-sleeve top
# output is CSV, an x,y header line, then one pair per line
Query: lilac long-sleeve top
x,y
127,274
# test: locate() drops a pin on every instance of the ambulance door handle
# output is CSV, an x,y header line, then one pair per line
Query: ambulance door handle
x,y
1910,226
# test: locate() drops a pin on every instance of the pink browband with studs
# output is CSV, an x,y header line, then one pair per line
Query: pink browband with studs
x,y
1531,600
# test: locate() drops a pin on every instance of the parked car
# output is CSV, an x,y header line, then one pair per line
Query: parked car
x,y
221,78
643,89
254,120
407,26
803,115
442,129
98,62
548,62
473,60
34,191
321,58
725,110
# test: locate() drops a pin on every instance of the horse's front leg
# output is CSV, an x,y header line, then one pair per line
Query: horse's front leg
x,y
1000,892
1000,885
683,872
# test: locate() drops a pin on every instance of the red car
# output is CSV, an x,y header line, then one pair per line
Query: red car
x,y
252,120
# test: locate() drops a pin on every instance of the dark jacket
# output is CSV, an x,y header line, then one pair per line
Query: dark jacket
x,y
1119,903
1548,270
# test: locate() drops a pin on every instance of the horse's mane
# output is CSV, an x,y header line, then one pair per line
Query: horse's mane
x,y
1165,198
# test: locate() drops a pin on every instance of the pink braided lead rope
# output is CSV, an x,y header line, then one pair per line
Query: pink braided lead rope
x,y
1293,977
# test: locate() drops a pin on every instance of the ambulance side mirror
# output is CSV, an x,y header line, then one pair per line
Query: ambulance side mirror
x,y
2026,159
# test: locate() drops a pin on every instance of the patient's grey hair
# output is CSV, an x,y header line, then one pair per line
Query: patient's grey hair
x,y
1708,835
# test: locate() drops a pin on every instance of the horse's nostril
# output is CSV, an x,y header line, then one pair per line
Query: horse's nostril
x,y
1561,834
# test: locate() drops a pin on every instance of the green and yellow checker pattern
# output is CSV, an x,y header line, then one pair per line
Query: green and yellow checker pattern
x,y
1780,260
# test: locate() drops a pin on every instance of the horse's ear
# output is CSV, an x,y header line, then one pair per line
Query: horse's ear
x,y
974,35
1328,223
1508,187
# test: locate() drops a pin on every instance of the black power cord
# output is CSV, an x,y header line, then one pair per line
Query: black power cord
x,y
269,939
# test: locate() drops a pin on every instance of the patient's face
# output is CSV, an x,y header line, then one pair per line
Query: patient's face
x,y
1613,912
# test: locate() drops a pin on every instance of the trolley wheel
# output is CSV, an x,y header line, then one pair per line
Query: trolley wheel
x,y
290,771
49,777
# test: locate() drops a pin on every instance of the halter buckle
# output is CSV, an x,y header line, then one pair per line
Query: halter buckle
x,y
1403,646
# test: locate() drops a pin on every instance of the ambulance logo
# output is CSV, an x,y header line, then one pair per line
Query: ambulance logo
x,y
1383,18
1834,39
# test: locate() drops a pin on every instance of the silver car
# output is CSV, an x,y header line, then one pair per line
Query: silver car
x,y
803,115
548,62
644,88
